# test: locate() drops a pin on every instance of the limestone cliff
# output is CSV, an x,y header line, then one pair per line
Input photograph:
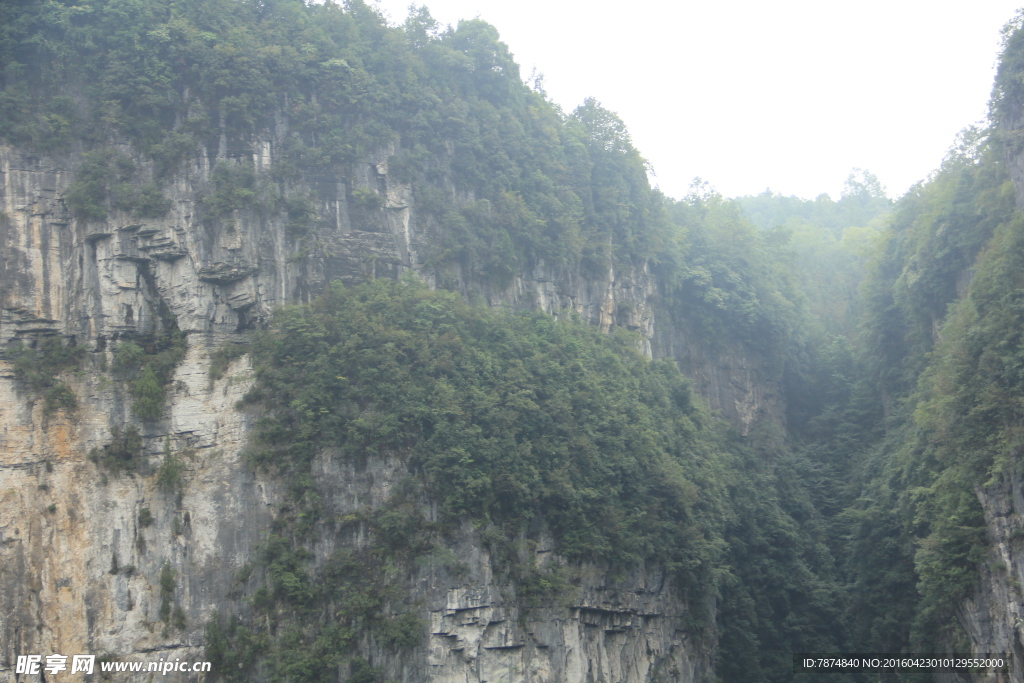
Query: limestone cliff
x,y
994,616
95,562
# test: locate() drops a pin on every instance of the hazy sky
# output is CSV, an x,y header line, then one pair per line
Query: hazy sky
x,y
747,95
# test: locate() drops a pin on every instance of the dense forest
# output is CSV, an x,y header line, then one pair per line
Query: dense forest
x,y
848,521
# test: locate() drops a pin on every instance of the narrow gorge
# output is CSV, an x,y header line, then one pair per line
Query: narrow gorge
x,y
332,351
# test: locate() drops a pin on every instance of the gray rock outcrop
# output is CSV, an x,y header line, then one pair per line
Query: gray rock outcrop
x,y
82,550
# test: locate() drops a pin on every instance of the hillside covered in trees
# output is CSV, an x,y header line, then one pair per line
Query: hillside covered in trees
x,y
413,268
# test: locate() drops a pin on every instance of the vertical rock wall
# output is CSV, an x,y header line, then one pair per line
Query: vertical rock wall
x,y
83,549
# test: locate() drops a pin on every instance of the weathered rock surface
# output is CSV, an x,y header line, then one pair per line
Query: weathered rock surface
x,y
79,568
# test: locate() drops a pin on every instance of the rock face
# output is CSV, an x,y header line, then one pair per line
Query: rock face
x,y
94,562
620,633
82,562
994,617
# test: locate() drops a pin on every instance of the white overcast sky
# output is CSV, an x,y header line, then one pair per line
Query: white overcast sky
x,y
786,95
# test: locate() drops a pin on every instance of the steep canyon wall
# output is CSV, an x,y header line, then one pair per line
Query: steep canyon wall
x,y
83,550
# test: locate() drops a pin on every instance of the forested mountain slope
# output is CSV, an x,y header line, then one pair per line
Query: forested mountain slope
x,y
333,351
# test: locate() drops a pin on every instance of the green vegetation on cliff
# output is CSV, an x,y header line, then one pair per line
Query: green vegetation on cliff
x,y
179,79
525,425
522,425
890,330
39,369
514,420
946,251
